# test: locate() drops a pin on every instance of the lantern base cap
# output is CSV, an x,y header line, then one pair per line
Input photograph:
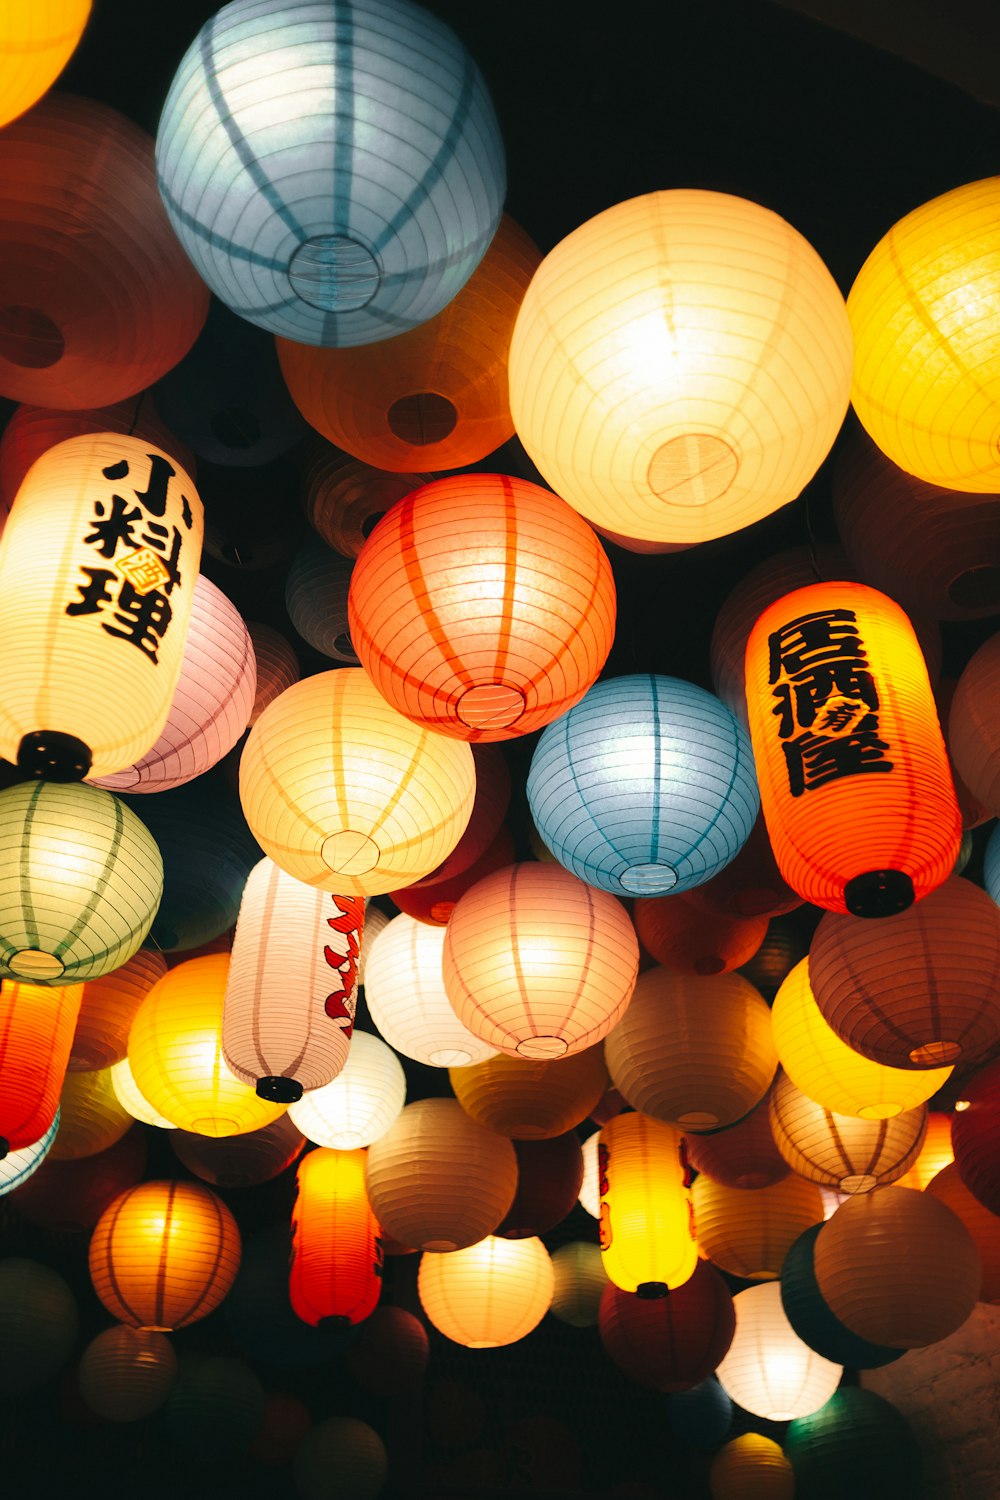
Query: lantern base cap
x,y
4,1146
650,1291
879,893
54,756
279,1090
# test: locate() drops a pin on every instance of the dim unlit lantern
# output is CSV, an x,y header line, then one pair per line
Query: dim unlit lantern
x,y
690,939
316,600
749,1232
856,1444
843,1151
38,1324
579,1283
925,310
238,1161
36,42
107,1008
36,1034
362,210
972,733
983,1226
344,793
669,1343
741,1156
532,1099
680,366
346,1448
92,1117
810,1317
70,1196
405,995
360,1104
975,1132
126,1373
490,1294
855,782
277,666
768,1370
645,1210
336,1267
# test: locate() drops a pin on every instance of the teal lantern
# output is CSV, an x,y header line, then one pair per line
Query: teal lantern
x,y
857,1445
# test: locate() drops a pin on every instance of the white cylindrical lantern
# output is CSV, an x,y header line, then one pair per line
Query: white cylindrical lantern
x,y
769,1370
360,1104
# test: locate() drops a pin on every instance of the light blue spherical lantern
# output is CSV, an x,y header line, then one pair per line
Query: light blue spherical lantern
x,y
646,786
333,168
991,864
17,1166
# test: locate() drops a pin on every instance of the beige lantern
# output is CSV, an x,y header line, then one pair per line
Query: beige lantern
x,y
492,1293
748,1232
843,1151
768,1370
532,1101
277,666
91,1116
360,1104
579,1279
983,1226
127,1373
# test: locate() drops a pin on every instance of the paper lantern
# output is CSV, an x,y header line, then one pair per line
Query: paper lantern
x,y
238,1161
288,1012
107,1007
36,1034
602,774
286,1422
783,947
316,600
549,1176
531,1100
749,887
645,1213
972,736
743,1155
438,1181
92,1118
361,1103
751,1467
538,964
277,666
215,1408
258,1312
432,902
434,397
482,606
748,1233
35,45
376,921
579,1280
854,777
362,210
983,1226
924,309
164,1254
345,499
898,1267
344,793
702,1416
17,1166
680,366
336,1265
935,1152
669,1343
694,1050
492,799
857,1444
38,1324
406,999
98,305
812,1319
347,1448
492,1293
175,1053
130,1097
70,1196
829,1071
689,940
974,1135
768,1370
127,1373
843,1151
389,1355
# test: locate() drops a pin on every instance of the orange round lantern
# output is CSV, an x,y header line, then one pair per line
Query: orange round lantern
x,y
531,1100
854,778
972,733
482,606
107,1009
345,499
336,1268
843,1151
669,1343
36,42
688,939
164,1254
743,1155
97,305
436,396
645,1211
983,1225
90,1116
36,1036
749,1233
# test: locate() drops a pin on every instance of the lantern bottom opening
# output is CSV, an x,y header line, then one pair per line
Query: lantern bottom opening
x,y
490,705
278,1089
648,880
34,964
350,852
879,893
51,755
936,1054
542,1047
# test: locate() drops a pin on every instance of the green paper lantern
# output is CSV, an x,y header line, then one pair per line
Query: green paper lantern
x,y
859,1445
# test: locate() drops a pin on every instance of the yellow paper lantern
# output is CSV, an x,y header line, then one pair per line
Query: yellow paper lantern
x,y
768,1370
36,43
92,1117
751,1467
749,1231
175,1053
531,1100
164,1254
645,1213
843,1151
360,1104
680,365
898,1267
925,310
130,1098
439,1181
694,1050
579,1279
107,1008
829,1071
983,1226
127,1373
935,1154
489,1294
98,563
344,793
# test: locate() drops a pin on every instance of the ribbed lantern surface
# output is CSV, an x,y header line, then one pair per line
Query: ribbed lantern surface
x,y
360,211
579,1280
490,1294
645,1215
695,1051
360,1104
36,1034
531,1099
769,1370
291,994
843,1151
741,1156
669,1343
36,42
482,606
238,1161
406,999
812,1319
749,1232
855,1433
164,1254
17,1166
316,590
437,1180
131,1098
983,1225
975,1131
107,1008
336,1267
126,1373
277,666
344,499
344,793
855,782
92,1118
972,734
751,1467
935,1152
689,939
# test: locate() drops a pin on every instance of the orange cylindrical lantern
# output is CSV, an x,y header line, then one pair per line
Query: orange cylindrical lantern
x,y
107,1008
482,606
854,777
336,1269
645,1214
36,1035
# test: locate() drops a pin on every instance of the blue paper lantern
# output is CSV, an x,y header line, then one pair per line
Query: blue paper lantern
x,y
701,1416
646,786
17,1166
812,1319
991,864
333,168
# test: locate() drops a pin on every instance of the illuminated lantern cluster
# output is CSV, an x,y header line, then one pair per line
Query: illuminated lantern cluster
x,y
492,1293
645,1214
406,999
310,221
854,777
336,1268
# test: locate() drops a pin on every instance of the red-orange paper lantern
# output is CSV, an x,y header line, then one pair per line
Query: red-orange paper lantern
x,y
36,1034
690,940
975,1136
854,778
669,1343
434,901
743,1155
336,1269
482,606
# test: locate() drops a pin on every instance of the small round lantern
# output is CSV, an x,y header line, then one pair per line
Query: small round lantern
x,y
854,776
389,1355
346,1447
164,1254
843,1151
438,1181
36,1034
17,1166
749,1233
38,1324
975,1130
645,1210
702,1416
669,1343
924,310
316,600
215,1408
277,666
751,1467
688,939
238,1161
695,1051
336,1266
680,365
898,1267
345,499
983,1226
600,777
743,1155
579,1283
344,793
768,1370
812,1319
35,45
127,1373
294,197
972,735
360,1104
531,1100
107,1009
70,1196
856,1444
492,1293
91,1116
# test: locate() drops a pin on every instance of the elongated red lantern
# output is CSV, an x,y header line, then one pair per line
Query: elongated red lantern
x,y
336,1252
854,777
